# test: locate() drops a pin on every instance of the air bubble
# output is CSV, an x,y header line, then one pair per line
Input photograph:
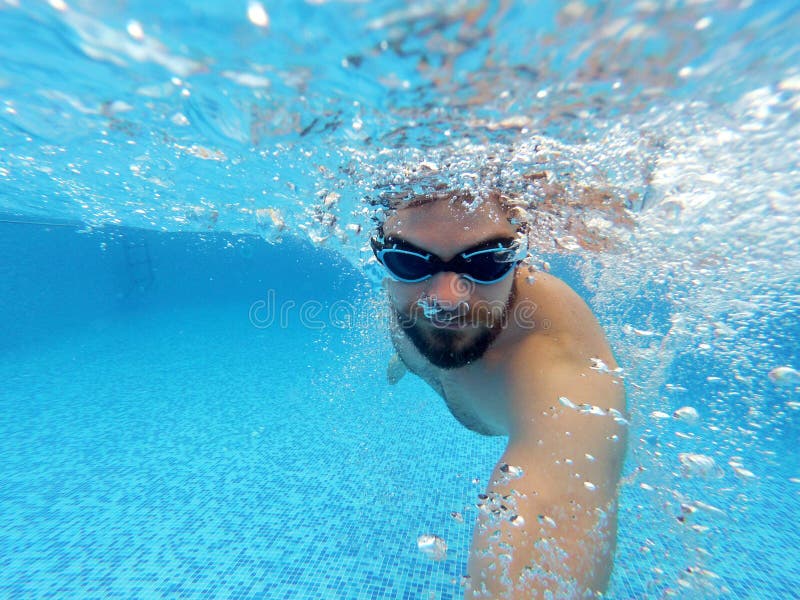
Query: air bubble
x,y
709,509
567,402
179,119
784,376
432,546
135,30
743,473
511,471
590,409
257,14
686,414
703,23
699,465
547,521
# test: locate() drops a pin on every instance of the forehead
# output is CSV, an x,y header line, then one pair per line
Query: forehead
x,y
446,226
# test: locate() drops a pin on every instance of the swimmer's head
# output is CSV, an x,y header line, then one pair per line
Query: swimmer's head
x,y
506,206
461,253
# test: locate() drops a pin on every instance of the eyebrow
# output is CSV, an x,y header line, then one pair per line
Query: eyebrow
x,y
391,239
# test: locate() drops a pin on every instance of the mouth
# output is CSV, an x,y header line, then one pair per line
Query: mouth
x,y
453,321
440,318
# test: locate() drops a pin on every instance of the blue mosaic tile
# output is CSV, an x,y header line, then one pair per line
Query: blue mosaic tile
x,y
151,464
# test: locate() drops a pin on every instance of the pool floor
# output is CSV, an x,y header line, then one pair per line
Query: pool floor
x,y
188,454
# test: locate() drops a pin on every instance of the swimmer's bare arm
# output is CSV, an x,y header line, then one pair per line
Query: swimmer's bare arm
x,y
571,463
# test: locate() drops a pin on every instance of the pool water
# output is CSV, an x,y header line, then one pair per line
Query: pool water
x,y
193,344
159,444
179,451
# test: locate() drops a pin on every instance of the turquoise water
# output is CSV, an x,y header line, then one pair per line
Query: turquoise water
x,y
193,399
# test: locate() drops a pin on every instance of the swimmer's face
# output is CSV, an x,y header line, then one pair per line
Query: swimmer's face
x,y
451,320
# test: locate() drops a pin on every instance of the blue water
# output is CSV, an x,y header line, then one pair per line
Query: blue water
x,y
193,346
166,447
156,443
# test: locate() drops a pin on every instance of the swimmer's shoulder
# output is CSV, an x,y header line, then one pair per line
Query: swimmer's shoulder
x,y
561,314
551,299
538,314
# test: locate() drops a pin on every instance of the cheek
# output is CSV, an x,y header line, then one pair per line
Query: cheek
x,y
403,295
496,294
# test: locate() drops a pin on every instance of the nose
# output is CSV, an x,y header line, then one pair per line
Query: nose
x,y
450,290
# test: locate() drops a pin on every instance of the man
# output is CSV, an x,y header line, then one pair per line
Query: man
x,y
519,354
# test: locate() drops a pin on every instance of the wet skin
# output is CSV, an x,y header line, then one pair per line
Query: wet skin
x,y
558,529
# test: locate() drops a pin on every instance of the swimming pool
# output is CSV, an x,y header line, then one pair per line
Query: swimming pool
x,y
161,436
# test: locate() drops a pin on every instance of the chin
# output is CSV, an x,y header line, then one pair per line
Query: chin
x,y
450,347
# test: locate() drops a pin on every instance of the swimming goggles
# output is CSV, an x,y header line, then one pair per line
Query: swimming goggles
x,y
487,262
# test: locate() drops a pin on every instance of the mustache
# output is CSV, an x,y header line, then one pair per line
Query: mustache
x,y
482,313
432,309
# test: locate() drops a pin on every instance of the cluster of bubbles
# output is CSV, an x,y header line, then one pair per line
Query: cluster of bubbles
x,y
650,146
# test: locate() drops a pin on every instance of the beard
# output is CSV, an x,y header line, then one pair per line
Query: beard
x,y
455,348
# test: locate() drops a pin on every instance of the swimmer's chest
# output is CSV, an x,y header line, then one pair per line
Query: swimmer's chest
x,y
478,396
